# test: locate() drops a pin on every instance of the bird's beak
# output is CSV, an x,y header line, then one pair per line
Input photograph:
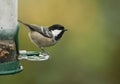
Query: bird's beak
x,y
65,29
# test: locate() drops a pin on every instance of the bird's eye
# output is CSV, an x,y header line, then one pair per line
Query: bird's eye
x,y
61,28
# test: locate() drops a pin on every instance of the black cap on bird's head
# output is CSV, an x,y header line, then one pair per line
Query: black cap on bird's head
x,y
57,30
57,27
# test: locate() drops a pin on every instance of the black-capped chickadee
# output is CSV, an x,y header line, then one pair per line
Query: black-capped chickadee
x,y
45,36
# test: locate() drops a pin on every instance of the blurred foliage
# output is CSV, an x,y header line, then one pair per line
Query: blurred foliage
x,y
89,53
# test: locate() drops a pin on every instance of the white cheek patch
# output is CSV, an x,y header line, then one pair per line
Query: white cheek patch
x,y
56,32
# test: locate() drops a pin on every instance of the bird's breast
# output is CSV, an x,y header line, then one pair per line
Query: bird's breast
x,y
40,40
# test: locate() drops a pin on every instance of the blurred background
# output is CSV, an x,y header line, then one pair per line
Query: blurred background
x,y
89,53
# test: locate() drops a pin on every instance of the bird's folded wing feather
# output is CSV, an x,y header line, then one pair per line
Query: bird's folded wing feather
x,y
41,29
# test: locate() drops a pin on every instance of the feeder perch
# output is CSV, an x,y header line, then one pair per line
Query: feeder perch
x,y
32,56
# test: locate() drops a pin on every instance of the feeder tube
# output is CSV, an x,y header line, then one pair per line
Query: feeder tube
x,y
9,62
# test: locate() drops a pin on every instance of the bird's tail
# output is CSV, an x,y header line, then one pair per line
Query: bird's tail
x,y
23,22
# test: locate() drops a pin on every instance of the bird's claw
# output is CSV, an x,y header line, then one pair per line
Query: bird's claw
x,y
44,52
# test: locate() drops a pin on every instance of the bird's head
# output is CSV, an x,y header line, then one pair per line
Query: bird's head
x,y
57,30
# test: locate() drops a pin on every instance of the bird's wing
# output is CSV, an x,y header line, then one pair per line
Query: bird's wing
x,y
41,29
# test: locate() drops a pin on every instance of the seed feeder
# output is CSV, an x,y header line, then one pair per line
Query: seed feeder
x,y
9,52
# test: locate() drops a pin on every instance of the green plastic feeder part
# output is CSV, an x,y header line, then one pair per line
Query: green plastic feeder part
x,y
9,63
10,67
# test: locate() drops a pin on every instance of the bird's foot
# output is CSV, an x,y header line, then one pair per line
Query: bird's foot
x,y
44,52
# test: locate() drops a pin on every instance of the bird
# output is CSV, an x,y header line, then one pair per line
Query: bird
x,y
44,36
